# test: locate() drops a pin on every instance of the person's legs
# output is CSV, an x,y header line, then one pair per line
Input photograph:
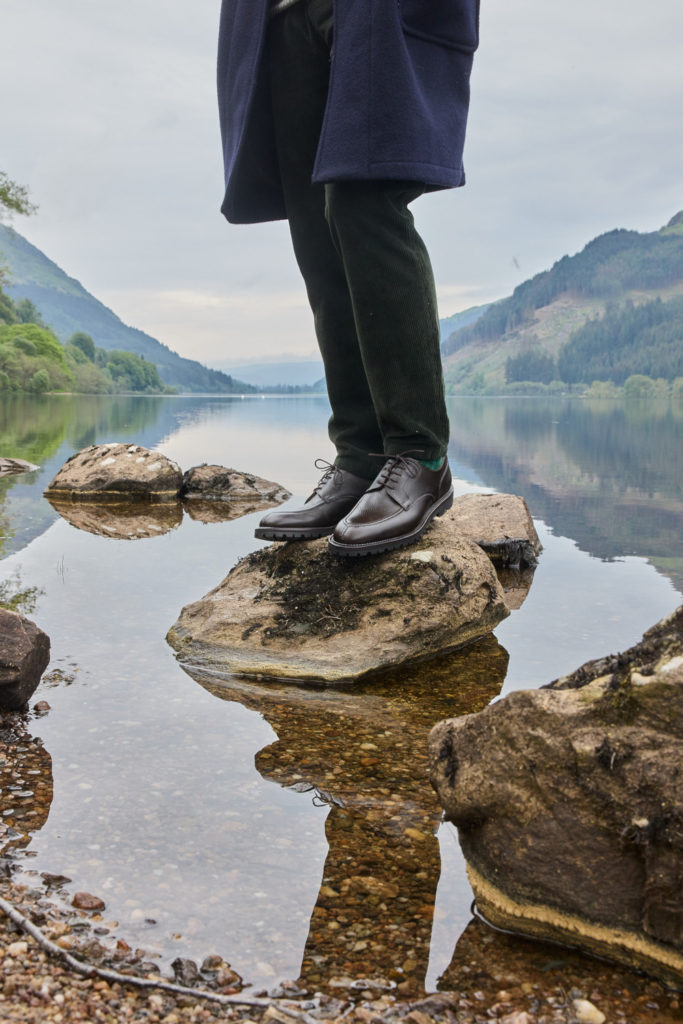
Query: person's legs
x,y
390,281
299,43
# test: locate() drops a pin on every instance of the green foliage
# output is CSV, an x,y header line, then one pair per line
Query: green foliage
x,y
14,198
639,386
645,339
132,373
40,382
28,314
677,389
603,389
532,365
84,342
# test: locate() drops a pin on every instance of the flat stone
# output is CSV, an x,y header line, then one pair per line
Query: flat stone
x,y
293,611
133,520
114,472
24,655
218,483
569,805
8,465
500,524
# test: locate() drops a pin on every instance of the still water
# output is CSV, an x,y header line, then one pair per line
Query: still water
x,y
292,831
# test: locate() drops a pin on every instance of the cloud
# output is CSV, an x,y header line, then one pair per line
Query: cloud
x,y
574,130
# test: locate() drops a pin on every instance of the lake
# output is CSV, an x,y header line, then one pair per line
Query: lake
x,y
293,831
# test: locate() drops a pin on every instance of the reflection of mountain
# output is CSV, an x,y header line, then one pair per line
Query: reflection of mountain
x,y
363,751
609,475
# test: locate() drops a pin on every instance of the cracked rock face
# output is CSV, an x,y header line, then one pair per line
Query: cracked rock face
x,y
293,611
116,472
569,804
24,655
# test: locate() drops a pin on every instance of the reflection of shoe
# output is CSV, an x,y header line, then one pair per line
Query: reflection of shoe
x,y
335,495
396,508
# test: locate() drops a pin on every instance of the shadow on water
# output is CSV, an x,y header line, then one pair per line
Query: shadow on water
x,y
363,751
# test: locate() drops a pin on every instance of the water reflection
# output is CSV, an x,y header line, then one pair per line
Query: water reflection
x,y
363,752
607,474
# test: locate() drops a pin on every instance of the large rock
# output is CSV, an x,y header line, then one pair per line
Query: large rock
x,y
116,472
569,804
217,483
293,611
24,654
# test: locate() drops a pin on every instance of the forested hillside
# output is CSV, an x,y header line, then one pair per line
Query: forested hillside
x,y
612,310
68,308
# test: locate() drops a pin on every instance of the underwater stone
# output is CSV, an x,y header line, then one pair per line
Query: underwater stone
x,y
569,805
24,655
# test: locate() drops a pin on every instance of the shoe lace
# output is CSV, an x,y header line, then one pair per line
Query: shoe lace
x,y
396,465
330,471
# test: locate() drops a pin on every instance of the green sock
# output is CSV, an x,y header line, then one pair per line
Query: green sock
x,y
432,464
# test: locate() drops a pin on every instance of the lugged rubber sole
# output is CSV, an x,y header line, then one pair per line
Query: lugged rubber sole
x,y
378,547
263,533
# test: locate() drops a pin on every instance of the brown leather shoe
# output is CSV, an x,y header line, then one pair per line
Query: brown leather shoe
x,y
336,494
396,508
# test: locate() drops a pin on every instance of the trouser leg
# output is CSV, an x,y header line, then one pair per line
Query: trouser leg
x,y
366,269
299,75
390,280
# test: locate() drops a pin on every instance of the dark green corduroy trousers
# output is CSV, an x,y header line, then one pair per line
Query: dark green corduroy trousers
x,y
366,269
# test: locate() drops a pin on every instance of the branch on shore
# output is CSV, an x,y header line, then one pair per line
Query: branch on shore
x,y
90,971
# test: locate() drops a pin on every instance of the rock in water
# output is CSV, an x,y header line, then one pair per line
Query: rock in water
x,y
116,472
206,483
24,654
569,805
293,611
500,524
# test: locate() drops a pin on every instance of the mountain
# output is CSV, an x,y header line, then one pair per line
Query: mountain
x,y
453,323
586,303
67,307
292,373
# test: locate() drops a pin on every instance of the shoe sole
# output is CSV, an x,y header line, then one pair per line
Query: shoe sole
x,y
378,547
263,533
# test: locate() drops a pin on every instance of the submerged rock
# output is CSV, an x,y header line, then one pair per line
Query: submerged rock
x,y
569,805
24,655
217,483
293,611
112,472
131,521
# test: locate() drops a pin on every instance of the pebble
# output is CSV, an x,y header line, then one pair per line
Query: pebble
x,y
86,901
17,949
587,1013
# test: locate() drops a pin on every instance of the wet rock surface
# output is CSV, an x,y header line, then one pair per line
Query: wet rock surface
x,y
217,483
569,804
501,525
107,472
293,611
24,655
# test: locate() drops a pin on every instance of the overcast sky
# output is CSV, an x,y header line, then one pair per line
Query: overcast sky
x,y
109,115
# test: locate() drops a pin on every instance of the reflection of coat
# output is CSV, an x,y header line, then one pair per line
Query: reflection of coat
x,y
397,105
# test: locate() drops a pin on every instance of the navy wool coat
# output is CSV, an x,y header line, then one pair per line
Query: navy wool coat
x,y
396,108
